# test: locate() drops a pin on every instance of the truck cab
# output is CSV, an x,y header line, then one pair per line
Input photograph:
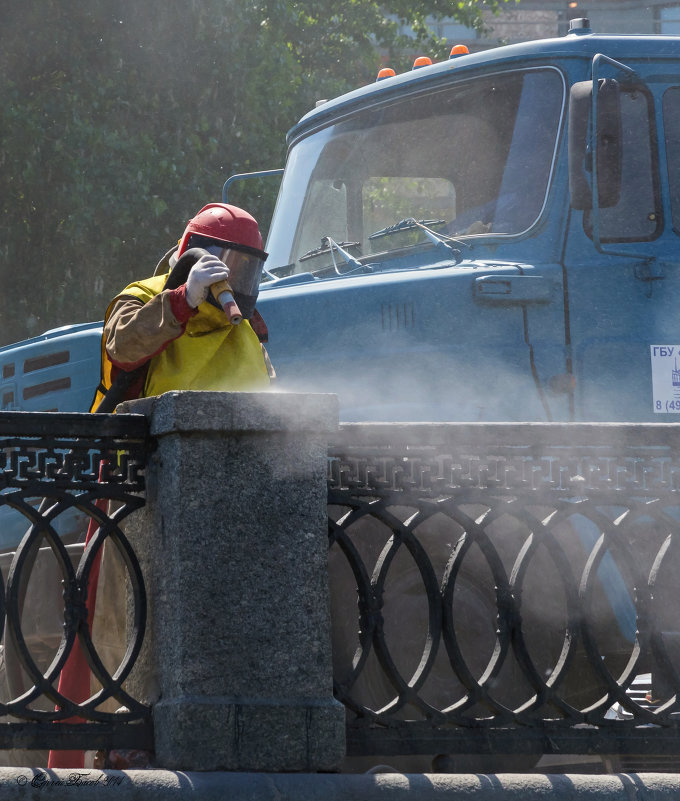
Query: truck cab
x,y
444,249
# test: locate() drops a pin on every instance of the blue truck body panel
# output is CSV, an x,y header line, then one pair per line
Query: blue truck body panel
x,y
54,372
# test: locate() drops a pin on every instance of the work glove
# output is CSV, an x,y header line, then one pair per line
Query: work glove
x,y
207,271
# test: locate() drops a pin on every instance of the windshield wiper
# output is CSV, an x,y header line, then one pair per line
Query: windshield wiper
x,y
404,225
332,247
326,248
442,241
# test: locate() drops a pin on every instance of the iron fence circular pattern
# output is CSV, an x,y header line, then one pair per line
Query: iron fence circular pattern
x,y
573,555
42,681
508,591
61,475
112,685
19,576
407,687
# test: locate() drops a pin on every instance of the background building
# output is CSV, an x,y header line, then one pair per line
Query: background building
x,y
539,19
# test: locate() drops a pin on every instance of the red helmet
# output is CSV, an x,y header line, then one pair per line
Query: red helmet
x,y
228,224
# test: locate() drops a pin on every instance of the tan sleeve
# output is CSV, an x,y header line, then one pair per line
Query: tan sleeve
x,y
135,331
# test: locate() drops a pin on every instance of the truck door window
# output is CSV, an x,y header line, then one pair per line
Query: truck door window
x,y
671,124
636,217
476,155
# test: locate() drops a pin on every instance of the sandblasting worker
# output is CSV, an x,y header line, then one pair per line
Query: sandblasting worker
x,y
169,332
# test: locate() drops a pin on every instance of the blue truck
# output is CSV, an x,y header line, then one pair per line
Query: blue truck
x,y
490,238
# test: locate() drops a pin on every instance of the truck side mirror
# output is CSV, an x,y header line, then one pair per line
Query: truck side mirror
x,y
609,136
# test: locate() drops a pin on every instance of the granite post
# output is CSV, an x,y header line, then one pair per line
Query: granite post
x,y
233,546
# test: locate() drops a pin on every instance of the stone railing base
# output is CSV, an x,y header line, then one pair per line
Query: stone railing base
x,y
159,785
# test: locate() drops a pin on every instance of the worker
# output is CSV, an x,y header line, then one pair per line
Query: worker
x,y
169,332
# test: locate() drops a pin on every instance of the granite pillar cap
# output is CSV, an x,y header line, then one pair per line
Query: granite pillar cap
x,y
191,411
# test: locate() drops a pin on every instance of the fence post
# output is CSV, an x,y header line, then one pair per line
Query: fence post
x,y
233,546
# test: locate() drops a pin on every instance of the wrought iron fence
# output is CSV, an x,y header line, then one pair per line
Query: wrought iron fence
x,y
506,588
62,477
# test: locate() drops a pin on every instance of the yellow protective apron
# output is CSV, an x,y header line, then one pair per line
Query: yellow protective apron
x,y
211,354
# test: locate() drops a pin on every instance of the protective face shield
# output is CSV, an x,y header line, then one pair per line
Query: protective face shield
x,y
245,271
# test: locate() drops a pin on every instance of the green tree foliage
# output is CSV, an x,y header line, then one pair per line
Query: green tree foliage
x,y
121,118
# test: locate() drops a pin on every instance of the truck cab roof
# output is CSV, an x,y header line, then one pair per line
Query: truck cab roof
x,y
581,44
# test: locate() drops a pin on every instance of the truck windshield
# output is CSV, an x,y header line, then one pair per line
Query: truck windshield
x,y
474,158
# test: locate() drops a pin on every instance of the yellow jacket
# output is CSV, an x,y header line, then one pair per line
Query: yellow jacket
x,y
202,352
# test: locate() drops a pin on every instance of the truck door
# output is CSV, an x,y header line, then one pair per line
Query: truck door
x,y
622,287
